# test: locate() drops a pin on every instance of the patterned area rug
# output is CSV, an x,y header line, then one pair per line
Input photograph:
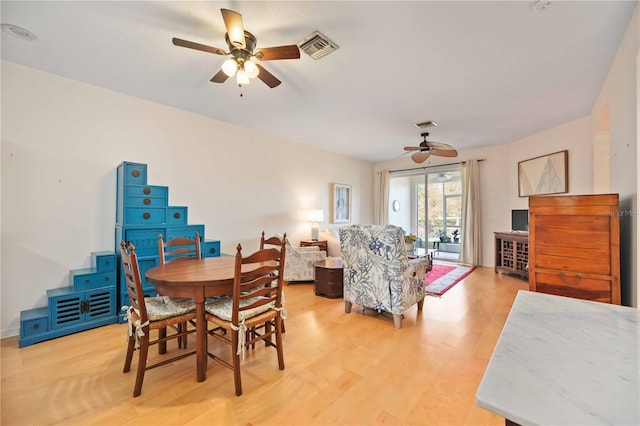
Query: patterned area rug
x,y
442,277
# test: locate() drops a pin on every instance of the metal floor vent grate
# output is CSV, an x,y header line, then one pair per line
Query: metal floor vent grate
x,y
317,45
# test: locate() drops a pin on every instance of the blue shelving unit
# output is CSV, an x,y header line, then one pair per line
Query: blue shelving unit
x,y
94,295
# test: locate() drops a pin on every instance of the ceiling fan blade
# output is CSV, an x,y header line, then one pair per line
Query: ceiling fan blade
x,y
268,78
444,152
413,148
279,52
197,46
420,156
235,27
220,77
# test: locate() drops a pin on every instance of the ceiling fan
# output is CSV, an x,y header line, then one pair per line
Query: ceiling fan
x,y
242,52
427,148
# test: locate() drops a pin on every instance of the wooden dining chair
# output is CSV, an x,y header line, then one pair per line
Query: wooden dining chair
x,y
146,314
178,248
175,249
275,242
256,301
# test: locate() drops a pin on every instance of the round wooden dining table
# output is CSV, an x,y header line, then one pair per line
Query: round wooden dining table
x,y
199,279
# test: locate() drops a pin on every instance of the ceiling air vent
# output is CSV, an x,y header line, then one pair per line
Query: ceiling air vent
x,y
316,45
426,124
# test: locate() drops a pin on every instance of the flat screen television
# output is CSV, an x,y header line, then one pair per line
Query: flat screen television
x,y
520,220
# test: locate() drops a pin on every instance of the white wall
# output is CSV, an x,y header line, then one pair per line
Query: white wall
x,y
620,97
62,141
499,177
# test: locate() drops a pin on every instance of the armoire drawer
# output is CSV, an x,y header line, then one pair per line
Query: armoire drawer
x,y
571,284
89,279
103,261
210,248
34,321
145,216
147,191
133,173
155,202
177,215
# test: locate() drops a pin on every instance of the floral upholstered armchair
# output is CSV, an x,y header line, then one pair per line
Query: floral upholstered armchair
x,y
299,262
377,271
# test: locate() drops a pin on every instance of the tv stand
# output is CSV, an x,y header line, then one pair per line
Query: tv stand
x,y
512,253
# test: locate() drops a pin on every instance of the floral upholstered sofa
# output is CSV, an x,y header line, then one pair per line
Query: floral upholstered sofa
x,y
377,271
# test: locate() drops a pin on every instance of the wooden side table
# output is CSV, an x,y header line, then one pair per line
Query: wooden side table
x,y
329,274
320,243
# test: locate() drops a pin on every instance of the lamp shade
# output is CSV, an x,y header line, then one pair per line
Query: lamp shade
x,y
251,69
242,77
316,216
229,67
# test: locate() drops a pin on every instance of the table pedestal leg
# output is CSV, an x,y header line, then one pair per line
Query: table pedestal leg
x,y
201,342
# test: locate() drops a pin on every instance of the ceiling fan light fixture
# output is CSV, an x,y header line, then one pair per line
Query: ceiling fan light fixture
x,y
242,77
229,67
251,69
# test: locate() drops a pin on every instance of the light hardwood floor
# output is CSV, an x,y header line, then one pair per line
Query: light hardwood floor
x,y
344,369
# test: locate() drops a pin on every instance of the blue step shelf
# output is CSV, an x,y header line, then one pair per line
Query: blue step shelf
x,y
95,294
142,213
88,302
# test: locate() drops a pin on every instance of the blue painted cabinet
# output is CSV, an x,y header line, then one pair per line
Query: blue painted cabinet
x,y
96,294
88,302
142,213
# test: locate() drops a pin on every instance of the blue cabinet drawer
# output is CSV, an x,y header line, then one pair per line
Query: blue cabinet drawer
x,y
132,173
144,240
34,321
188,231
210,248
89,279
159,202
147,191
176,215
145,216
103,261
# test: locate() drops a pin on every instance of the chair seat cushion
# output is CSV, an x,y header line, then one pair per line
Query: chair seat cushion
x,y
222,308
159,308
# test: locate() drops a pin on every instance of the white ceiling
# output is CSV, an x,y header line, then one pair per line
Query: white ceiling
x,y
486,72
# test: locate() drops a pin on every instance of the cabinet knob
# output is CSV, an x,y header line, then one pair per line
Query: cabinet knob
x,y
176,215
146,201
146,191
146,215
135,173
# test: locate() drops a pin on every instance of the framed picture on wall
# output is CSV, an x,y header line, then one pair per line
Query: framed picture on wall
x,y
340,203
547,174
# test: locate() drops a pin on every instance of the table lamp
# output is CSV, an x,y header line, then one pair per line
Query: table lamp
x,y
315,217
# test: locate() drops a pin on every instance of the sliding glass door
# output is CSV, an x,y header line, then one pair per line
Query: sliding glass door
x,y
428,204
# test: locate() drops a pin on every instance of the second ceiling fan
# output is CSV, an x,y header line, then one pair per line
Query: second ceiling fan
x,y
428,148
242,52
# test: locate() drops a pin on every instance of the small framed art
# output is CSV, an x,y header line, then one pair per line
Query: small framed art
x,y
341,203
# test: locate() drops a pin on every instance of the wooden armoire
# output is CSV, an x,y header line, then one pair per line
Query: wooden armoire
x,y
574,246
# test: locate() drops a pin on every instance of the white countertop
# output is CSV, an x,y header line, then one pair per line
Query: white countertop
x,y
564,361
